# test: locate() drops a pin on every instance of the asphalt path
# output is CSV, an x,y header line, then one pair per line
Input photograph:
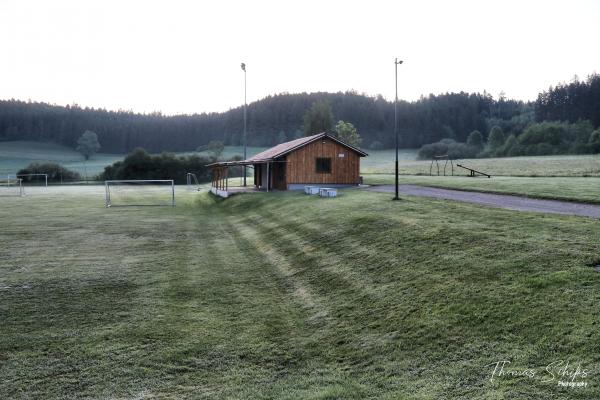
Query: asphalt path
x,y
497,200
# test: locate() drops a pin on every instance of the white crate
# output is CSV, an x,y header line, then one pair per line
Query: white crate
x,y
328,192
311,189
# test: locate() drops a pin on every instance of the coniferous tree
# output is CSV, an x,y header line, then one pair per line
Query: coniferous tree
x,y
496,138
318,119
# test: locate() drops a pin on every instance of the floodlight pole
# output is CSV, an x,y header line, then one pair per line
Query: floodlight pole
x,y
396,62
245,112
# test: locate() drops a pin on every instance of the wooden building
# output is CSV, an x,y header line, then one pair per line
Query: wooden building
x,y
313,160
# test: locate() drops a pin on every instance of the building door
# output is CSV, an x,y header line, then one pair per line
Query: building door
x,y
279,181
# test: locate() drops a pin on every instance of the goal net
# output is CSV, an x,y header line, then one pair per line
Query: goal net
x,y
160,192
34,179
12,187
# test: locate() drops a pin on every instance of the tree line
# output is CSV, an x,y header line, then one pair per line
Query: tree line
x,y
279,118
563,120
270,121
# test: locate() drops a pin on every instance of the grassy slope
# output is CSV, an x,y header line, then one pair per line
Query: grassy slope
x,y
18,154
570,189
15,155
382,162
286,296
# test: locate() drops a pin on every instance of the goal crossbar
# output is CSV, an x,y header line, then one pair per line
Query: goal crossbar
x,y
108,199
44,175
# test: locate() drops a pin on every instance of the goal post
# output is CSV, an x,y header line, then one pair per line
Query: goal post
x,y
45,177
12,187
139,193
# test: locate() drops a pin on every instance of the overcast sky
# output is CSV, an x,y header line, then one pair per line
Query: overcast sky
x,y
184,56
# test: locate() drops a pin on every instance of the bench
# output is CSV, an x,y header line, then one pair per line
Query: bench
x,y
328,192
311,189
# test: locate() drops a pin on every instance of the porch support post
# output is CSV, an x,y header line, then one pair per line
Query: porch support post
x,y
268,176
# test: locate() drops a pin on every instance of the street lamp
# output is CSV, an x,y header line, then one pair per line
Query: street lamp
x,y
396,63
245,111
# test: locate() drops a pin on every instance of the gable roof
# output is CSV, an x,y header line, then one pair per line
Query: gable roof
x,y
287,147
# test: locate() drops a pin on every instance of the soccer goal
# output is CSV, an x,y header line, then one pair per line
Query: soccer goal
x,y
192,181
137,193
12,187
32,177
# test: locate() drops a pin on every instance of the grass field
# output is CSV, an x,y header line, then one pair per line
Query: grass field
x,y
286,296
16,155
19,154
560,166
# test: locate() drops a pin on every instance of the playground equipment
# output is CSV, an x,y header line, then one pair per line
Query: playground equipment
x,y
436,160
192,181
473,172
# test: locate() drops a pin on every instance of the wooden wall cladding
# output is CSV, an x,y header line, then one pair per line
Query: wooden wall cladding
x,y
301,164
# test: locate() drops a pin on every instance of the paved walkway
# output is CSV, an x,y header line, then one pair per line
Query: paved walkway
x,y
498,200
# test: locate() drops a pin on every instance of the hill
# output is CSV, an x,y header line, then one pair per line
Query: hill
x,y
278,118
15,155
270,121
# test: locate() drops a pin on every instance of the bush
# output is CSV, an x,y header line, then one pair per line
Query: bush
x,y
545,132
141,165
475,139
547,138
452,148
55,172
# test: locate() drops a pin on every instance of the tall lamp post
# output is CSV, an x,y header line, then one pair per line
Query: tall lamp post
x,y
245,107
396,63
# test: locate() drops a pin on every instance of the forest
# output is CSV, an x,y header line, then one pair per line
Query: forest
x,y
277,118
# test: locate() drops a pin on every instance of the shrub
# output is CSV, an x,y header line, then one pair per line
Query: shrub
x,y
428,151
556,138
475,139
545,132
452,148
141,165
55,172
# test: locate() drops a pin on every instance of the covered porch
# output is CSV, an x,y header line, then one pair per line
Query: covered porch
x,y
267,175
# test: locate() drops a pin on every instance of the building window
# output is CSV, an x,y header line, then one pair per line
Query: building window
x,y
323,165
